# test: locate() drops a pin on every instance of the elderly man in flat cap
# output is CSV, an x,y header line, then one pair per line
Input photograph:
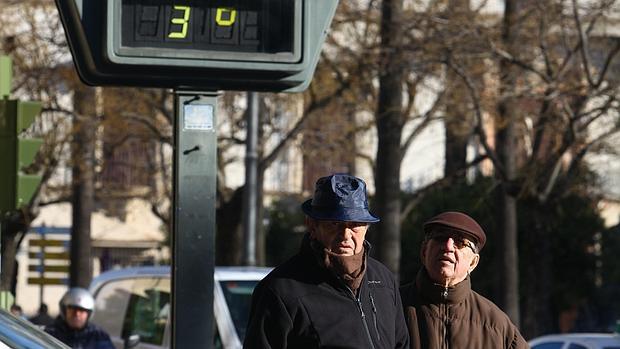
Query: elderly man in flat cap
x,y
441,309
331,294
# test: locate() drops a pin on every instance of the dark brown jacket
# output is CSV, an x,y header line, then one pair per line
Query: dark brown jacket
x,y
455,318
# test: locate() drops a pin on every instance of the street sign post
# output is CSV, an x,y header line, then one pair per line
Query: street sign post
x,y
195,171
196,45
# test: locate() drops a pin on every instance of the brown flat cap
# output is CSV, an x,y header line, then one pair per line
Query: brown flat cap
x,y
461,222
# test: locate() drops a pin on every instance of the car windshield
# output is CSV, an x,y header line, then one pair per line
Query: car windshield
x,y
18,334
238,295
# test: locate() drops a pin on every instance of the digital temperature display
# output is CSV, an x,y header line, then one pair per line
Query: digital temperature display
x,y
183,28
197,45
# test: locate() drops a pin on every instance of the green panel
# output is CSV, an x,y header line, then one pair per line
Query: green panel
x,y
16,189
6,75
27,186
8,172
26,113
27,149
6,300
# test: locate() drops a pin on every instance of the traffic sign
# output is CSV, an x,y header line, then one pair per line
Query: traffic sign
x,y
49,242
45,230
49,255
49,258
262,45
48,281
49,268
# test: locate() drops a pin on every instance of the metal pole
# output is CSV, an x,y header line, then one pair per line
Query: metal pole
x,y
249,194
42,266
194,177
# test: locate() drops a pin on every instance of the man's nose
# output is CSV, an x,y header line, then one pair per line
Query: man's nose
x,y
448,244
346,232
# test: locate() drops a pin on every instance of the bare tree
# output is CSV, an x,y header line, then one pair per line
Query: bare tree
x,y
557,101
35,46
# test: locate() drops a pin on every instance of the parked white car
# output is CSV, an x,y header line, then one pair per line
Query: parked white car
x,y
133,305
577,341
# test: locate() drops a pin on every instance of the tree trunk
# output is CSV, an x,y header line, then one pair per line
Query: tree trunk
x,y
457,126
84,135
11,233
229,236
458,121
506,147
261,248
538,320
390,121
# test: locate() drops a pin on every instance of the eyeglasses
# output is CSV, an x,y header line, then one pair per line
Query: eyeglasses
x,y
460,241
357,227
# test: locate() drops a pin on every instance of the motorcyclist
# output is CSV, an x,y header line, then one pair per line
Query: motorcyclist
x,y
72,327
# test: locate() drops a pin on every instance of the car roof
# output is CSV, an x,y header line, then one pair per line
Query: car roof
x,y
221,273
598,338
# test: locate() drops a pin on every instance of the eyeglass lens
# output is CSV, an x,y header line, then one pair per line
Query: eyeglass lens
x,y
459,241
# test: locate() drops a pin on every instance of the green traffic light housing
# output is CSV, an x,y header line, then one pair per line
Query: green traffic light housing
x,y
19,152
259,45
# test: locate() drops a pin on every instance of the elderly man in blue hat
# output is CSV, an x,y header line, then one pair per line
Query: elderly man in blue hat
x,y
331,294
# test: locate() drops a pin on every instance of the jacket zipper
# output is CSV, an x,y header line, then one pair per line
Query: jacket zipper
x,y
374,315
359,306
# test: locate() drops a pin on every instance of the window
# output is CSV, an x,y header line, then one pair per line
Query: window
x,y
549,345
110,306
238,296
148,310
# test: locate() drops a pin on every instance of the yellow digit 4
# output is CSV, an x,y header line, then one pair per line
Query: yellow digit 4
x,y
180,21
225,22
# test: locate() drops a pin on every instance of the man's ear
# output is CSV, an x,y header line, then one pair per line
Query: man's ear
x,y
423,250
474,262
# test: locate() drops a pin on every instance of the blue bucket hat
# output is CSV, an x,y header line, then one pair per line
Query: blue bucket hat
x,y
339,197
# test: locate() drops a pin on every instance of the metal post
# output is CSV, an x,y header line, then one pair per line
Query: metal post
x,y
249,194
195,169
42,266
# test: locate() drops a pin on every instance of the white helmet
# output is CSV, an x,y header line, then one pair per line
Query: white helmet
x,y
79,298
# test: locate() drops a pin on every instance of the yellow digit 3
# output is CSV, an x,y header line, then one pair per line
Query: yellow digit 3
x,y
180,21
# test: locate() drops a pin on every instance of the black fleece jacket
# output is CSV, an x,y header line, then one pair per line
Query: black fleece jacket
x,y
301,304
90,337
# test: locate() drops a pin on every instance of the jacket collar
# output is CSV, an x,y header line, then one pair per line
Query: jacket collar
x,y
437,293
312,252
